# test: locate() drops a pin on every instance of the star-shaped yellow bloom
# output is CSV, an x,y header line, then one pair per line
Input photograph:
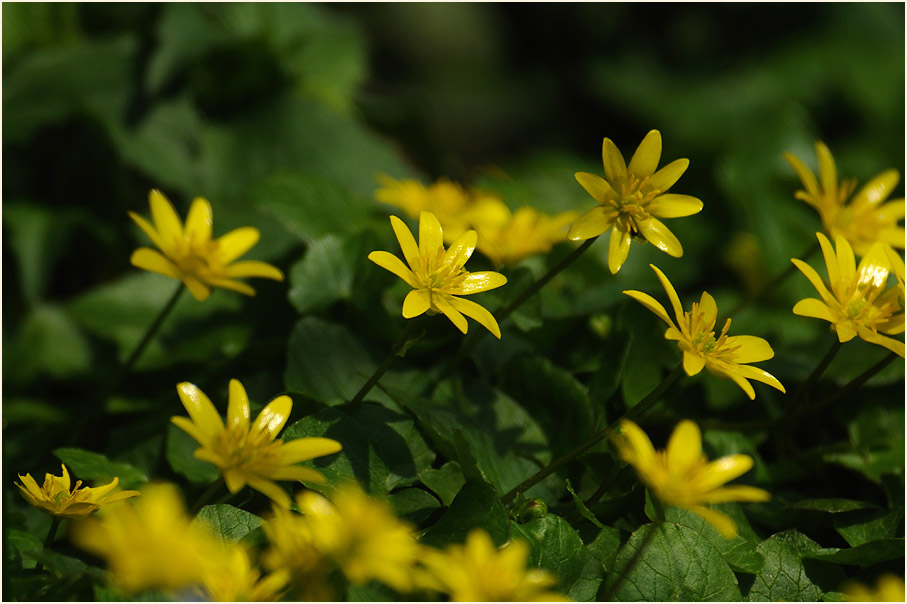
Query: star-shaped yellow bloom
x,y
507,237
724,356
682,475
246,452
868,218
855,300
437,276
633,197
477,571
188,253
58,497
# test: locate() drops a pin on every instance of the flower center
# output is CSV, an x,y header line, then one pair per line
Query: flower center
x,y
197,258
634,199
248,449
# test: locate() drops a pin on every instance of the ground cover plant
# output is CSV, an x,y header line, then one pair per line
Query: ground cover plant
x,y
464,302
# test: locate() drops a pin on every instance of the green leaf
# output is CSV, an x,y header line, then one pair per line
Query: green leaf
x,y
475,506
677,565
868,525
865,555
445,482
232,524
180,455
49,343
739,552
20,546
830,505
381,449
642,370
578,572
580,507
603,543
786,576
95,467
414,504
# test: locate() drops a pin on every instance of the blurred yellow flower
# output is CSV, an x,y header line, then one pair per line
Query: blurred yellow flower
x,y
191,255
863,221
292,552
724,356
245,452
477,571
506,238
855,300
682,475
152,544
438,277
232,578
632,200
55,496
890,588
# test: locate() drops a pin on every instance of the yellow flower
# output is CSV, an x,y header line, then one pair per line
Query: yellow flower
x,y
191,255
632,199
247,453
445,199
506,238
438,277
153,544
682,475
724,356
890,588
232,578
292,551
867,218
479,572
857,303
56,497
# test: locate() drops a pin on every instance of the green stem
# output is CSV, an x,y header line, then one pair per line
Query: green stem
x,y
635,411
207,495
49,539
149,334
398,345
637,555
800,396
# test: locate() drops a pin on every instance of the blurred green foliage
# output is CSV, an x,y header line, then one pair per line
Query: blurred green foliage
x,y
283,114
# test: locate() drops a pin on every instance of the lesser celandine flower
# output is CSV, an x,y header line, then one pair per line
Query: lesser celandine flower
x,y
437,276
190,254
249,452
233,578
292,551
890,588
507,237
725,356
477,571
682,475
58,497
868,218
855,300
633,197
152,544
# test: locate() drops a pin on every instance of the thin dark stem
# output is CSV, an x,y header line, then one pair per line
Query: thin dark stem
x,y
398,345
634,559
149,334
49,539
207,495
635,411
802,392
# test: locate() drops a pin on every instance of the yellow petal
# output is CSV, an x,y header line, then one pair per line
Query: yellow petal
x,y
846,330
238,412
416,302
736,493
299,473
198,221
274,416
828,173
199,290
30,488
478,282
618,249
150,260
723,470
672,205
750,349
892,212
754,373
816,281
722,522
185,424
722,371
634,445
96,494
231,284
684,447
660,236
591,224
831,262
647,156
477,312
709,310
895,346
304,449
65,480
271,489
431,237
149,230
460,251
693,362
597,187
615,168
407,242
236,243
805,174
254,268
652,304
389,262
876,190
200,409
442,301
672,295
665,178
873,270
847,263
167,221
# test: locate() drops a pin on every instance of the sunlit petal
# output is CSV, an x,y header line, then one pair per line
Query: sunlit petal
x,y
389,262
672,205
431,236
199,221
304,449
618,249
238,411
479,281
407,242
416,302
597,187
443,303
254,268
591,224
200,409
665,178
652,304
684,447
168,223
647,156
477,312
273,416
660,236
750,349
152,260
236,243
615,168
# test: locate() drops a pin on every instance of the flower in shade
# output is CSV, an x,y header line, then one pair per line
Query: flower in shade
x,y
437,276
507,237
477,571
633,197
58,497
855,299
724,356
867,218
188,252
153,544
682,475
889,588
249,452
